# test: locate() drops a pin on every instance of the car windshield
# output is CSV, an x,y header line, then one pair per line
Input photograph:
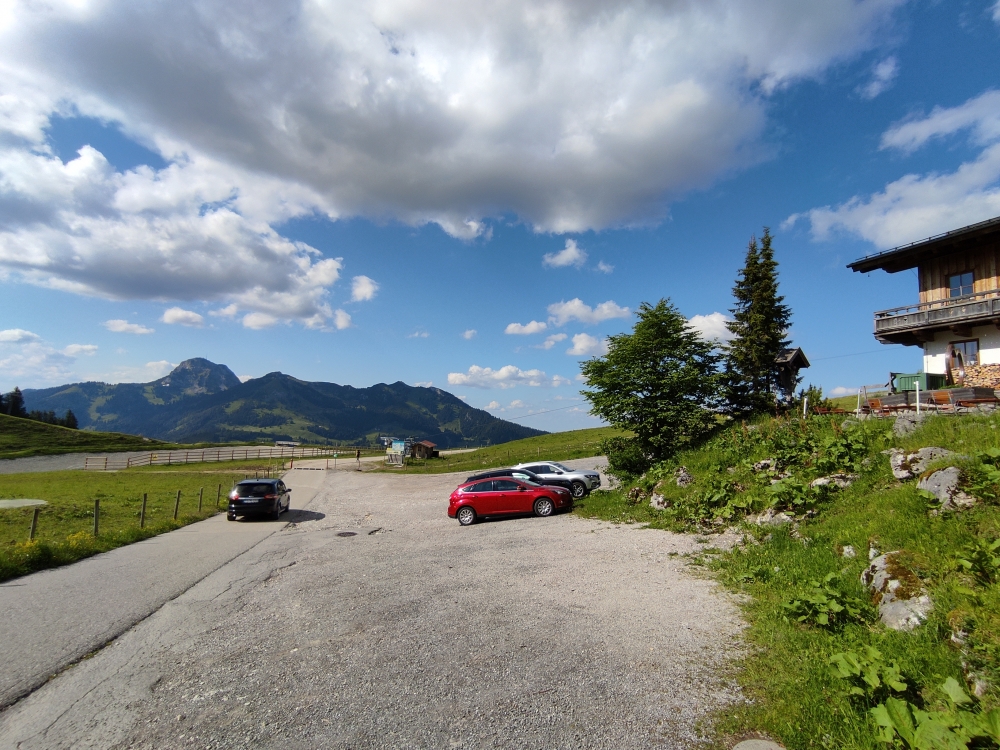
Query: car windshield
x,y
529,482
560,466
254,490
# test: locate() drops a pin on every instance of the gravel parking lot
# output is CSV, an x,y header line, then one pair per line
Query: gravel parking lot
x,y
411,632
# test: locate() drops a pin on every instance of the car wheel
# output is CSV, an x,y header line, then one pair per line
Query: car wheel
x,y
277,512
230,516
579,489
544,507
466,515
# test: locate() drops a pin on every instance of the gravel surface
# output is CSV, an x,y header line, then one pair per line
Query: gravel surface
x,y
412,632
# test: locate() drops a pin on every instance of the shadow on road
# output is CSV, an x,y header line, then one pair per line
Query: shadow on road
x,y
302,516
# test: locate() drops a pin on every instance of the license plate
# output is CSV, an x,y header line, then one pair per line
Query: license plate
x,y
250,501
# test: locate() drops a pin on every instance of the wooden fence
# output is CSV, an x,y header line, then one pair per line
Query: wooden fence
x,y
169,458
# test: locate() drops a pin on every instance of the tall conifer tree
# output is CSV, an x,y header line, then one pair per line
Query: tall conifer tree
x,y
760,322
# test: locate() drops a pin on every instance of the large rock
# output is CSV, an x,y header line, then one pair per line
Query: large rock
x,y
683,477
771,517
902,600
907,423
908,465
943,484
658,501
766,464
839,480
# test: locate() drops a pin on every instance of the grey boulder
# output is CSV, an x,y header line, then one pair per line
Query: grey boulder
x,y
943,484
683,477
908,465
839,480
902,600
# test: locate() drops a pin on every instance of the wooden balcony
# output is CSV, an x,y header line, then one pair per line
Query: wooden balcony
x,y
914,324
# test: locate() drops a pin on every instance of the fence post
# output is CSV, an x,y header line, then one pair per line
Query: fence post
x,y
218,497
177,504
34,524
201,492
142,512
105,463
97,515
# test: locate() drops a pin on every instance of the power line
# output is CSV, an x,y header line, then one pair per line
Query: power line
x,y
535,414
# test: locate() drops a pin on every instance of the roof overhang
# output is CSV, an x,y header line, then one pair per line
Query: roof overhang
x,y
904,257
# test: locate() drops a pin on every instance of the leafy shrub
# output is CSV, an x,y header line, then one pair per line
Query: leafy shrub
x,y
625,457
981,560
824,604
794,494
868,675
955,727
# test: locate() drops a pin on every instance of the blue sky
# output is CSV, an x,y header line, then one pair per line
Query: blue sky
x,y
468,195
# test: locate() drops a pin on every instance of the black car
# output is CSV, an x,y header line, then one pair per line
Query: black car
x,y
522,474
259,497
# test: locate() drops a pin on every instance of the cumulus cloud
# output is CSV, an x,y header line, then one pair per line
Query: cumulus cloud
x,y
508,376
883,74
996,12
584,345
363,288
526,329
418,335
424,384
258,321
18,336
605,267
841,390
562,313
917,206
469,334
123,326
183,317
712,327
74,350
143,374
516,404
552,340
27,360
571,255
341,320
229,311
492,405
244,378
570,115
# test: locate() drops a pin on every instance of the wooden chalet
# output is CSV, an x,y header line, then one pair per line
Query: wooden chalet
x,y
957,318
424,449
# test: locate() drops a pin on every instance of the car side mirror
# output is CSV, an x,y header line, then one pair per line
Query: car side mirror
x,y
558,472
522,488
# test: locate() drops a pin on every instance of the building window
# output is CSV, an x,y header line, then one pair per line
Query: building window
x,y
969,349
960,284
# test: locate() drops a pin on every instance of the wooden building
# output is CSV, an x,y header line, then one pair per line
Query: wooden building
x,y
424,449
957,318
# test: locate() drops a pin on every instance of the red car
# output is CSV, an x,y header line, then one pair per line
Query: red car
x,y
500,497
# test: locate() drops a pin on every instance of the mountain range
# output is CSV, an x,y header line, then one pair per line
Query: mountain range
x,y
200,401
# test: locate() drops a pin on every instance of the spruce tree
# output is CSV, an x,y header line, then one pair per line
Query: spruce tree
x,y
70,420
760,323
14,403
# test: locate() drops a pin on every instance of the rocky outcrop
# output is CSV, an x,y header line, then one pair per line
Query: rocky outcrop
x,y
908,465
771,517
838,480
902,600
943,484
766,464
682,476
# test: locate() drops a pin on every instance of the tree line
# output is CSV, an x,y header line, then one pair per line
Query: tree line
x,y
12,404
671,388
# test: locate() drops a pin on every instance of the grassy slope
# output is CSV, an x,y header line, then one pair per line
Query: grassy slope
x,y
793,697
557,446
26,437
65,526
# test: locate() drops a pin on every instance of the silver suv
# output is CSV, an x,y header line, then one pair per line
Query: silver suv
x,y
582,481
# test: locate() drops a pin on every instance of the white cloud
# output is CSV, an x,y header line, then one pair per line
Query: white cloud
x,y
562,313
229,311
516,404
258,321
558,380
508,376
492,405
418,335
18,336
524,330
469,334
424,384
569,115
605,267
883,74
123,326
584,345
996,12
841,390
144,374
712,327
74,350
552,340
244,378
183,317
363,288
341,320
918,206
571,255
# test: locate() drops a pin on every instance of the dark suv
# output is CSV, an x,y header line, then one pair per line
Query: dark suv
x,y
259,497
531,476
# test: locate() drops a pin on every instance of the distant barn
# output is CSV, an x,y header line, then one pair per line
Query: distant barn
x,y
424,449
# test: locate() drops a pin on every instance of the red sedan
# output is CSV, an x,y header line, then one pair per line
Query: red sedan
x,y
500,497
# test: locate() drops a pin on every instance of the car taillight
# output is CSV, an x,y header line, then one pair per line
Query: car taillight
x,y
234,495
270,497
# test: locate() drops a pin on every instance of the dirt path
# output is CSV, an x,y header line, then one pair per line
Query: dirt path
x,y
411,632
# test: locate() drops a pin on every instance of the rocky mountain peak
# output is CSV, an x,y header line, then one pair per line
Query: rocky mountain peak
x,y
197,376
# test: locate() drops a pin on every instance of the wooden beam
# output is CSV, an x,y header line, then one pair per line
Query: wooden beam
x,y
960,330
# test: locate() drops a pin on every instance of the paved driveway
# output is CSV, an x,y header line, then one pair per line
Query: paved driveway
x,y
376,621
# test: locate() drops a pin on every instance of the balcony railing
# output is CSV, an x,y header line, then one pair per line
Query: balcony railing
x,y
969,309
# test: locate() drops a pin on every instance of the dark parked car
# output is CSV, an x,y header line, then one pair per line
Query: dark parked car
x,y
583,481
259,497
531,476
500,497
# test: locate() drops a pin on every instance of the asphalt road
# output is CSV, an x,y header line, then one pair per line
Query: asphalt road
x,y
55,617
376,621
